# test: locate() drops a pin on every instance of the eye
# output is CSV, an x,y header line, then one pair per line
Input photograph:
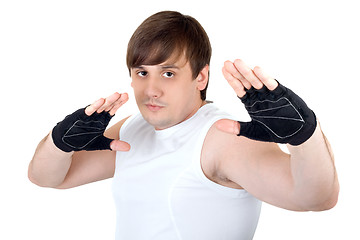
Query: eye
x,y
168,74
142,73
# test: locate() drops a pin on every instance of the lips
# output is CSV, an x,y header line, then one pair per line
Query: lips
x,y
153,108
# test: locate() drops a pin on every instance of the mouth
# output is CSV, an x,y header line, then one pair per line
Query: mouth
x,y
153,108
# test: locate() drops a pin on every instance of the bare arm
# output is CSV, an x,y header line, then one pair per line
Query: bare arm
x,y
301,181
314,173
305,179
51,167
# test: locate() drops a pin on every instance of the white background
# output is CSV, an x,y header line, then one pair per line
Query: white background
x,y
58,56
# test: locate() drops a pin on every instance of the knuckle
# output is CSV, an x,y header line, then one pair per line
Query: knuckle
x,y
247,73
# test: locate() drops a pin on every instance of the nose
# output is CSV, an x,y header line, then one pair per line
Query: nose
x,y
153,88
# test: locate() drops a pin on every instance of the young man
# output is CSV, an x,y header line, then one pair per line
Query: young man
x,y
182,168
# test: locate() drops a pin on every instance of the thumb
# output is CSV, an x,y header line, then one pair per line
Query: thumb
x,y
117,145
228,126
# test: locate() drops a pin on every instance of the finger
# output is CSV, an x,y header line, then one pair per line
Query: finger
x,y
94,107
228,126
231,69
268,81
248,73
118,145
234,83
123,97
121,101
109,101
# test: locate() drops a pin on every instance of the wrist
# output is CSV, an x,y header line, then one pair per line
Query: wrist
x,y
49,141
312,142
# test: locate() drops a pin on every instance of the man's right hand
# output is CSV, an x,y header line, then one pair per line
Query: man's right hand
x,y
84,129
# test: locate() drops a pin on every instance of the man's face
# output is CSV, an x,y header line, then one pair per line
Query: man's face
x,y
166,94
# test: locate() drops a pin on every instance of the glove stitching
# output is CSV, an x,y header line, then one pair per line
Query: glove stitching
x,y
75,125
81,146
263,110
277,134
86,122
80,134
300,119
267,100
284,118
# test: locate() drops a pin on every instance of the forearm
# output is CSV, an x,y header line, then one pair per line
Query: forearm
x,y
314,175
49,165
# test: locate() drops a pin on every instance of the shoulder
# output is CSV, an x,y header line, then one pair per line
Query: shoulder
x,y
222,152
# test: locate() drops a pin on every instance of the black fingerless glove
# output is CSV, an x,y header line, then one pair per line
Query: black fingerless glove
x,y
79,131
277,116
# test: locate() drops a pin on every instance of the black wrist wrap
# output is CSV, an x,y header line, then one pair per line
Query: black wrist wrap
x,y
79,131
277,116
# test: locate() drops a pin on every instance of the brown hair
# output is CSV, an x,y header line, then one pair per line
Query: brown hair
x,y
167,33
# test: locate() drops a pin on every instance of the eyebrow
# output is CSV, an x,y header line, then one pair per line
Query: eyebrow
x,y
161,66
169,66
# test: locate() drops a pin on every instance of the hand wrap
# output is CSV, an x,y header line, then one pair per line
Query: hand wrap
x,y
277,116
79,131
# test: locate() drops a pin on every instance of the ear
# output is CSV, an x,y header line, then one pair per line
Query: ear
x,y
203,78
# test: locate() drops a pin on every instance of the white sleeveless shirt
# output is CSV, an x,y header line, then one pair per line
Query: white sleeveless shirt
x,y
161,192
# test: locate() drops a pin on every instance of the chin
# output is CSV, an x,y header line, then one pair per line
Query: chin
x,y
157,122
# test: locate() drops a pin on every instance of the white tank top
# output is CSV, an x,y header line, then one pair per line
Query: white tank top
x,y
161,192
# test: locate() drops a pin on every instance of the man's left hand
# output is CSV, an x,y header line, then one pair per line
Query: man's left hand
x,y
278,114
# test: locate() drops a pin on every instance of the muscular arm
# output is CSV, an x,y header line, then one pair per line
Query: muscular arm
x,y
49,165
305,179
302,180
52,167
92,166
314,173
